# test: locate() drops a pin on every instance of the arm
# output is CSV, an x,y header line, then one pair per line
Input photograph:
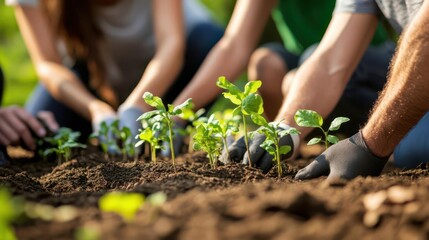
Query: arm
x,y
59,80
168,60
231,54
405,98
320,81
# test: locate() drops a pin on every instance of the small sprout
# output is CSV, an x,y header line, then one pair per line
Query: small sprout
x,y
228,125
115,139
11,208
273,135
124,204
310,118
109,142
127,143
62,144
207,138
248,101
149,135
164,115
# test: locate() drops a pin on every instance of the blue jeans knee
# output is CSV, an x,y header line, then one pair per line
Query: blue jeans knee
x,y
413,149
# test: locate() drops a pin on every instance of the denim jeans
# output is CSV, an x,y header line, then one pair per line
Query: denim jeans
x,y
413,149
199,42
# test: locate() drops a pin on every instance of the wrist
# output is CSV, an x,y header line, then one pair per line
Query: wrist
x,y
100,110
373,144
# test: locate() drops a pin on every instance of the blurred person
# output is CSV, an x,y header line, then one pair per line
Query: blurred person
x,y
399,122
96,58
17,126
301,25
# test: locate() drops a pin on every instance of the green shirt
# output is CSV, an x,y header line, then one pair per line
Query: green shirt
x,y
302,23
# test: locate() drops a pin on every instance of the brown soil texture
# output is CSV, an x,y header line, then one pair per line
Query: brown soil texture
x,y
230,202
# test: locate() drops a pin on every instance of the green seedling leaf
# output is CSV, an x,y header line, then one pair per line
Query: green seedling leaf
x,y
153,101
233,98
259,120
308,118
148,115
252,87
284,149
336,123
253,104
124,204
332,139
185,105
314,141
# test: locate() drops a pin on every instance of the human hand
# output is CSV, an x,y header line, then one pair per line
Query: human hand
x,y
178,140
17,126
259,157
347,159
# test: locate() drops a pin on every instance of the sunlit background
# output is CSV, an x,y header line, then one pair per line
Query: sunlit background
x,y
18,69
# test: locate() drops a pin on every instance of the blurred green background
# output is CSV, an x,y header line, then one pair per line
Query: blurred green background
x,y
18,69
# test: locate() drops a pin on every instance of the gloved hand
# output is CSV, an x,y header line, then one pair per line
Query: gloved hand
x,y
178,140
347,159
260,158
128,118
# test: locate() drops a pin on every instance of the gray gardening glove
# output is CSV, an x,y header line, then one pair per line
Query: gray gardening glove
x,y
260,158
178,141
127,118
347,159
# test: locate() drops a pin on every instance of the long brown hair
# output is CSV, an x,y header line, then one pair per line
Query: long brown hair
x,y
73,21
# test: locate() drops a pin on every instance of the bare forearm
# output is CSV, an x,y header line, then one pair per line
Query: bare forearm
x,y
223,60
406,96
159,75
313,88
65,87
320,81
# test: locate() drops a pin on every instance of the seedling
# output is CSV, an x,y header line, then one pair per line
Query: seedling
x,y
208,138
149,135
310,118
228,126
124,204
162,114
248,102
11,209
127,144
115,139
106,133
127,204
273,135
62,144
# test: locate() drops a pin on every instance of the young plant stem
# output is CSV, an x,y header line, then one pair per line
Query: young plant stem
x,y
153,153
326,138
279,166
246,140
225,143
212,161
170,133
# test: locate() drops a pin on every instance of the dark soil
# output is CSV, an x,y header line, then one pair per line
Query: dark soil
x,y
231,202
